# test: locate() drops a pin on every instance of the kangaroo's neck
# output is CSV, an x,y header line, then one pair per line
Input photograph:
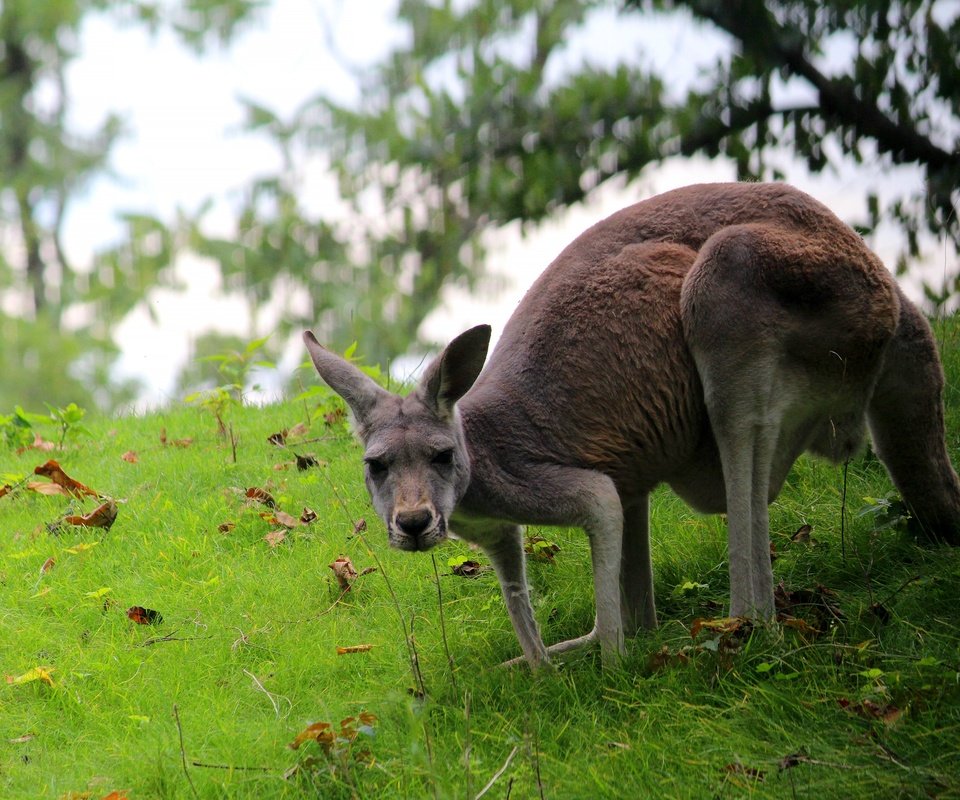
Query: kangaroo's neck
x,y
486,426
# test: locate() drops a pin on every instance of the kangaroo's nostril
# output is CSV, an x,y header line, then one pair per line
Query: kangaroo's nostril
x,y
413,523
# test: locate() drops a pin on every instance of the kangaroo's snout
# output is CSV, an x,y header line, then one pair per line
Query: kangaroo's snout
x,y
414,522
418,528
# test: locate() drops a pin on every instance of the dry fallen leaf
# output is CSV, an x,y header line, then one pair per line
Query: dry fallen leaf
x,y
173,442
103,516
802,536
886,713
724,625
469,569
130,457
226,527
308,516
800,626
300,429
345,572
42,674
38,444
281,518
23,739
144,616
356,648
359,526
47,566
320,732
275,538
52,470
42,487
306,461
279,438
259,495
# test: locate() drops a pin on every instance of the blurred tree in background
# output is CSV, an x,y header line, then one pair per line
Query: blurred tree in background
x,y
56,319
479,118
470,125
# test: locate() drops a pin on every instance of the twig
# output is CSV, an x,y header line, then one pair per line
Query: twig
x,y
262,688
843,514
498,773
183,755
230,767
170,637
900,588
417,677
443,627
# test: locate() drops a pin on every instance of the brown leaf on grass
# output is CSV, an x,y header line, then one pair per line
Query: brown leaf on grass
x,y
469,569
279,438
802,536
887,713
801,626
23,739
540,549
320,732
39,443
880,611
792,760
173,442
281,518
308,516
344,571
300,429
5,489
103,516
130,457
42,487
259,495
226,527
359,526
355,648
47,566
52,470
724,625
665,658
144,616
275,538
116,796
306,461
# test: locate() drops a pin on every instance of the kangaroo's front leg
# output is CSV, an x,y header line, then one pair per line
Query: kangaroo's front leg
x,y
505,551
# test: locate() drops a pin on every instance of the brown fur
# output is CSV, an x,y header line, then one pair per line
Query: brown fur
x,y
704,338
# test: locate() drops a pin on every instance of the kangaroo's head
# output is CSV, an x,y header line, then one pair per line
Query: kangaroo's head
x,y
416,462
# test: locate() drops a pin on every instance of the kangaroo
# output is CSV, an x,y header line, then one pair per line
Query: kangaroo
x,y
702,338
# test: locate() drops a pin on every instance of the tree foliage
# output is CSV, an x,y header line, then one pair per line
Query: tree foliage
x,y
477,120
44,166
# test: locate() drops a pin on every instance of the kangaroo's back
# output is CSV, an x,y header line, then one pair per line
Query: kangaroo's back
x,y
596,361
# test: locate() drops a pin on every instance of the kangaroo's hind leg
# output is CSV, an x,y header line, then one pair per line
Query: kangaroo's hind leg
x,y
637,604
787,328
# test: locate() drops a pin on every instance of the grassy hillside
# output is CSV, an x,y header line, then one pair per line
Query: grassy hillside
x,y
860,698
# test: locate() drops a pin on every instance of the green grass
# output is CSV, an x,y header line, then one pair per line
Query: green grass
x,y
246,652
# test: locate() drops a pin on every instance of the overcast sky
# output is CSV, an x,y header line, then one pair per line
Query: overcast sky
x,y
185,145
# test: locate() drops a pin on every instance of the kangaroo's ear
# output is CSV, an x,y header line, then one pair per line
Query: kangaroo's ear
x,y
453,372
359,391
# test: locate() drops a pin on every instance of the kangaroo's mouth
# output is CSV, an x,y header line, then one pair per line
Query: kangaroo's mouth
x,y
420,542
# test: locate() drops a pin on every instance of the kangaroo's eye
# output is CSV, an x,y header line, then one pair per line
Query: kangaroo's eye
x,y
443,459
377,467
